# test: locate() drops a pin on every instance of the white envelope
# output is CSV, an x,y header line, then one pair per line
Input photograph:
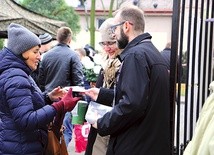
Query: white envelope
x,y
96,111
75,88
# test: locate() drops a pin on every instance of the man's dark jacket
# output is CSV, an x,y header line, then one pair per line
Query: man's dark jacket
x,y
139,124
60,66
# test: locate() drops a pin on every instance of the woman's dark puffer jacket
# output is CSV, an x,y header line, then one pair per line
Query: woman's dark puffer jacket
x,y
23,113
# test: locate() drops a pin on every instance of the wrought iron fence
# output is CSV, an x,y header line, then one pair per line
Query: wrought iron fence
x,y
193,35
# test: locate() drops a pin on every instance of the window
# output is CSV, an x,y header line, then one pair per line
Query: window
x,y
81,3
99,22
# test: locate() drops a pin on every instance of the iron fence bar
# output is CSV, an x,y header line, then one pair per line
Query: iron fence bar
x,y
199,60
210,45
192,81
202,44
208,29
173,66
211,41
187,73
181,35
195,45
205,54
193,64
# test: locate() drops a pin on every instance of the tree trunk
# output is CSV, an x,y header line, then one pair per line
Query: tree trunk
x,y
92,20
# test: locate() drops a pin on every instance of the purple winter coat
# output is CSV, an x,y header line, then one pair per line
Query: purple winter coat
x,y
23,113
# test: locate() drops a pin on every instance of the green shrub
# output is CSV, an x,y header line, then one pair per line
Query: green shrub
x,y
1,43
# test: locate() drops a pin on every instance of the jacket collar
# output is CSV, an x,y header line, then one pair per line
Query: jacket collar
x,y
62,44
133,43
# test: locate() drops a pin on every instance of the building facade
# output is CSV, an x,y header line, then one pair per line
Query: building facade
x,y
158,16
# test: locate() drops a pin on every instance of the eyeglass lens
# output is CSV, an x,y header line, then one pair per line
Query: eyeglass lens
x,y
108,43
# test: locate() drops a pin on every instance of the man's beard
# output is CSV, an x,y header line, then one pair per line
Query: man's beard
x,y
123,41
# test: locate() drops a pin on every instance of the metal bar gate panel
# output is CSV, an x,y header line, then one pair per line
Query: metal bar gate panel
x,y
192,46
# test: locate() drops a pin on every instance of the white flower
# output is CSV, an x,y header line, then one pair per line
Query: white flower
x,y
92,69
87,63
97,59
97,69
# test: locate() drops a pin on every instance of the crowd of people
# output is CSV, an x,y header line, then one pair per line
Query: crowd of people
x,y
134,80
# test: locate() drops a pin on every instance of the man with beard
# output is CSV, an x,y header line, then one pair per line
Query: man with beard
x,y
139,123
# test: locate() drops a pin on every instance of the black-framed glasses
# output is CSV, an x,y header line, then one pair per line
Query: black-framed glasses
x,y
107,43
113,27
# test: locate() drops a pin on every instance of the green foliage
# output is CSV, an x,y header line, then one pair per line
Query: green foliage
x,y
55,9
184,67
184,57
1,43
90,75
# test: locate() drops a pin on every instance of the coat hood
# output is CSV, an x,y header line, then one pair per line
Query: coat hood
x,y
10,60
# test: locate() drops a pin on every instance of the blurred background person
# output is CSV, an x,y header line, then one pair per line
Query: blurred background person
x,y
89,51
82,54
61,66
166,53
46,44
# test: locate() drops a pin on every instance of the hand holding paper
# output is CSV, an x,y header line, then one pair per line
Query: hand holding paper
x,y
56,94
67,103
93,93
96,111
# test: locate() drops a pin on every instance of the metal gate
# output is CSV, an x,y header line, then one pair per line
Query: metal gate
x,y
192,41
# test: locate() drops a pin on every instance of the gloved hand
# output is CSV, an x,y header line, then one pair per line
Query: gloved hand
x,y
67,103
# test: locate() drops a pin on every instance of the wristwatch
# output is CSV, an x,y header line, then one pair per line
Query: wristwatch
x,y
47,99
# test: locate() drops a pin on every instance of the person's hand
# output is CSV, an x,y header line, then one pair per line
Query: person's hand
x,y
93,93
67,103
95,125
69,100
56,94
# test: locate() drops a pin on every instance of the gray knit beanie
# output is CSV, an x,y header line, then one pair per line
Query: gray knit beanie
x,y
105,30
20,39
45,38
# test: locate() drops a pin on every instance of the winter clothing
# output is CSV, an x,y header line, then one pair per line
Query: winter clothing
x,y
105,30
67,103
110,71
93,132
140,120
106,79
21,39
108,75
45,38
68,128
202,142
24,114
60,67
97,145
166,53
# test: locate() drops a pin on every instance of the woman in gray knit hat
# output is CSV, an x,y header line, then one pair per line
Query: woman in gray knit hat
x,y
25,111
